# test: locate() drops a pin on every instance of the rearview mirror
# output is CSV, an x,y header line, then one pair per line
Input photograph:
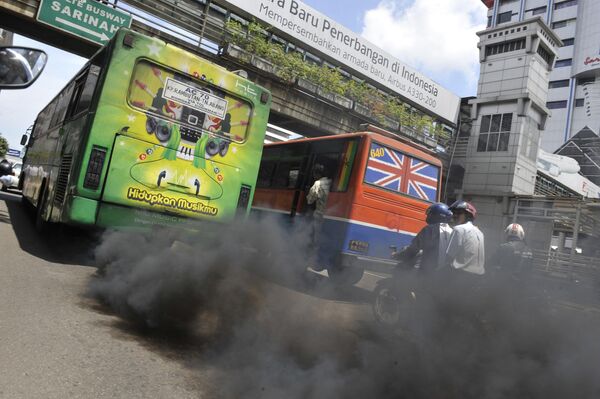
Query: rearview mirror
x,y
24,139
20,66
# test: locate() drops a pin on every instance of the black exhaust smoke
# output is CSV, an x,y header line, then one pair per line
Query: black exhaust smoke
x,y
276,342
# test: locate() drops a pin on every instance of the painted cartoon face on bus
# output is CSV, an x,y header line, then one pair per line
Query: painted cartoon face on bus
x,y
189,120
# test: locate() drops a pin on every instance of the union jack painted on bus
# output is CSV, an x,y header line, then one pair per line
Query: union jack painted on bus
x,y
398,172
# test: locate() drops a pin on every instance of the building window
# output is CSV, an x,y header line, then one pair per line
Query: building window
x,y
563,63
556,104
504,17
579,102
505,47
564,4
563,23
539,10
489,21
568,42
545,54
494,132
559,24
583,81
558,83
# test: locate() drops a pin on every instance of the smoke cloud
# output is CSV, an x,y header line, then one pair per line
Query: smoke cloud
x,y
274,330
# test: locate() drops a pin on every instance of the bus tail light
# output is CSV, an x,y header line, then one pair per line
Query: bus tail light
x,y
244,198
94,168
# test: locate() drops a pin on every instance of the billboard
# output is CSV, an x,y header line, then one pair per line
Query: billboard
x,y
586,58
329,38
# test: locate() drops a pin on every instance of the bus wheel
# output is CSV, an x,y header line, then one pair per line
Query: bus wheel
x,y
345,276
40,224
26,204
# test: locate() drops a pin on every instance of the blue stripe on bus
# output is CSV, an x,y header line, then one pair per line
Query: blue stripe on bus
x,y
337,234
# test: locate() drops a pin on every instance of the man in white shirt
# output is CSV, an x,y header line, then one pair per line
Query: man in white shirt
x,y
465,258
317,200
466,251
318,193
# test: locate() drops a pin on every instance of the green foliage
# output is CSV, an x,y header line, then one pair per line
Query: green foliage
x,y
3,146
289,66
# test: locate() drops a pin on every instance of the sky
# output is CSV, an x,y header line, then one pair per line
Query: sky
x,y
435,37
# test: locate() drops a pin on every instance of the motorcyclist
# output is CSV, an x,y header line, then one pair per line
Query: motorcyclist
x,y
466,252
431,241
513,259
395,299
460,293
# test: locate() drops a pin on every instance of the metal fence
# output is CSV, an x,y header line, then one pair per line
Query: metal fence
x,y
566,267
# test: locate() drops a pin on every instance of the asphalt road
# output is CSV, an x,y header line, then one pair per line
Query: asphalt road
x,y
270,338
56,342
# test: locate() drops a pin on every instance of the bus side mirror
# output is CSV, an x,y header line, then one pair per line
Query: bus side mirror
x,y
20,66
24,139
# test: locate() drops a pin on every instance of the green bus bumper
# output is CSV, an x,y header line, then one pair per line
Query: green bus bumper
x,y
82,211
85,211
128,218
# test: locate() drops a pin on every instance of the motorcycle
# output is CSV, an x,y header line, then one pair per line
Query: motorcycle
x,y
396,298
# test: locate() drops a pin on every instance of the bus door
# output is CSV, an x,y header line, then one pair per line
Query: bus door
x,y
280,178
286,173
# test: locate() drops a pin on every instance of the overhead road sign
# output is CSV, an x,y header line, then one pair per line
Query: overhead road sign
x,y
13,153
319,32
88,19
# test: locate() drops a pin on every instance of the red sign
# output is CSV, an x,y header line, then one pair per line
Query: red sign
x,y
590,60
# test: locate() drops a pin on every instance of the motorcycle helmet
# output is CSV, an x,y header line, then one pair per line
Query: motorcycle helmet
x,y
438,213
464,206
514,231
5,168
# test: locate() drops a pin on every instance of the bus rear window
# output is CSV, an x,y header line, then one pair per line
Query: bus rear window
x,y
395,171
196,104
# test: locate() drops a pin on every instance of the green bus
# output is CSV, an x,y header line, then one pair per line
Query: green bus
x,y
146,134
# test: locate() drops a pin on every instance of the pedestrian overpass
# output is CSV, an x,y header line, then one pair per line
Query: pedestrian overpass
x,y
199,26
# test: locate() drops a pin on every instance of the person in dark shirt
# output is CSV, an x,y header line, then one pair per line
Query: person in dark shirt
x,y
431,241
513,260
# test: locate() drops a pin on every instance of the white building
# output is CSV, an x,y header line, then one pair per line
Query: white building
x,y
574,84
510,111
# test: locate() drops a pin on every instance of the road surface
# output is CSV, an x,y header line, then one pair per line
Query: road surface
x,y
56,342
270,338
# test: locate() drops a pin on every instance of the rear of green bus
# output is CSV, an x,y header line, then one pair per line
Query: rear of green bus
x,y
174,139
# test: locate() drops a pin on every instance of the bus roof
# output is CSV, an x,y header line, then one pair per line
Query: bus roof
x,y
403,145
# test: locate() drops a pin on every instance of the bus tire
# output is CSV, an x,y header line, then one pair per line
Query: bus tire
x,y
40,224
345,276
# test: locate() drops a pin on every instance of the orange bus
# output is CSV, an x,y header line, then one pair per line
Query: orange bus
x,y
380,189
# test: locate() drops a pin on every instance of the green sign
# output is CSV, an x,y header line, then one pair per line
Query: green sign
x,y
88,19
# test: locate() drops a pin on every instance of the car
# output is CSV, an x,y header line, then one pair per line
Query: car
x,y
11,181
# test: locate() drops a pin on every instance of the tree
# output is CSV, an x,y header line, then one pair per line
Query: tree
x,y
3,146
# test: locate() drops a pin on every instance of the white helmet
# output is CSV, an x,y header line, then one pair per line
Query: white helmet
x,y
514,230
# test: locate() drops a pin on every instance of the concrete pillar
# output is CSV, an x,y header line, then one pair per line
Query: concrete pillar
x,y
561,241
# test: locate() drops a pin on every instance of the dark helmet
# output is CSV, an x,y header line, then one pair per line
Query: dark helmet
x,y
438,213
5,168
464,206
